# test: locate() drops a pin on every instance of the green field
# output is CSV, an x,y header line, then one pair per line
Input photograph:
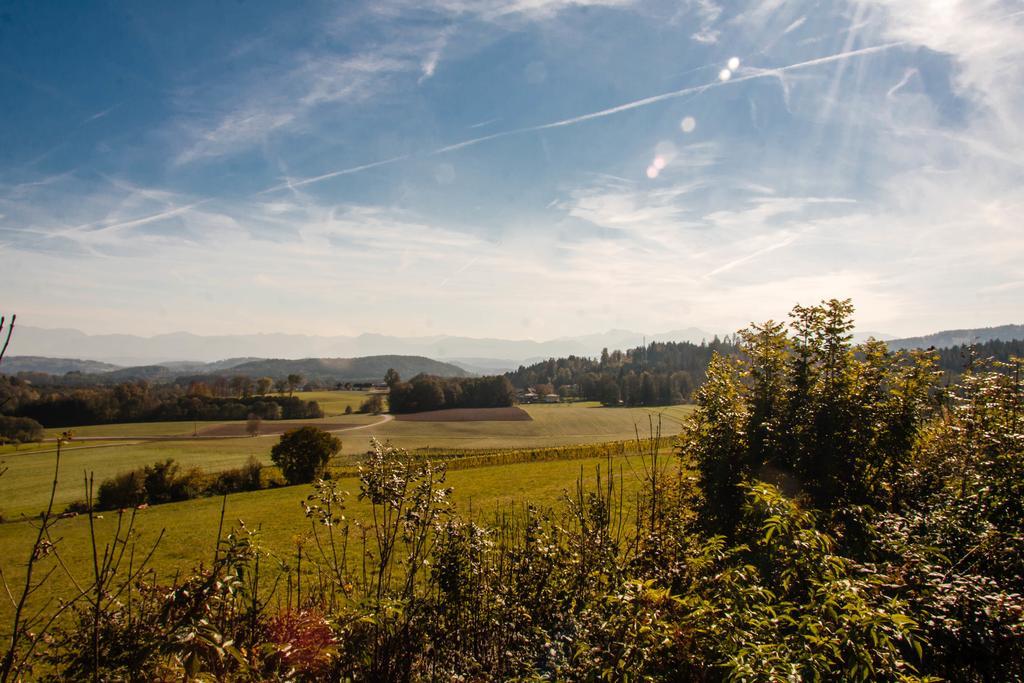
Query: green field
x,y
335,402
25,487
552,425
190,527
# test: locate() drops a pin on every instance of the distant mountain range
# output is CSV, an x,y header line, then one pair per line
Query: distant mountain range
x,y
364,357
367,368
492,354
957,337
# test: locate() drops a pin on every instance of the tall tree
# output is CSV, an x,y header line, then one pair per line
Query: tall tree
x,y
263,385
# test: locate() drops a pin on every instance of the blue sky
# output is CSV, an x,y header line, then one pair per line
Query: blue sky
x,y
510,168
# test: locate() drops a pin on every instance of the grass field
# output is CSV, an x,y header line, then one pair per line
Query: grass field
x,y
335,402
24,489
552,425
190,527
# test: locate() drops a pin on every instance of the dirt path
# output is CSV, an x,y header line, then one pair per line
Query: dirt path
x,y
386,417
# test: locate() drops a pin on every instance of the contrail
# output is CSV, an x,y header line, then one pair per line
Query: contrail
x,y
635,104
750,257
132,222
335,174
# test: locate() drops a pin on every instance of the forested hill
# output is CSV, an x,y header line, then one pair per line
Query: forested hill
x,y
668,373
54,366
367,368
663,373
951,338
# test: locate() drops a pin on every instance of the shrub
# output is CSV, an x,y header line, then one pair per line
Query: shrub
x,y
19,429
124,490
252,425
245,478
302,454
161,482
373,404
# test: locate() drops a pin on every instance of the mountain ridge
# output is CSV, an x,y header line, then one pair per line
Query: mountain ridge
x,y
129,350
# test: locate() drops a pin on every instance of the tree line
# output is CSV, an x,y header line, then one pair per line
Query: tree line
x,y
143,402
662,373
955,360
667,373
428,392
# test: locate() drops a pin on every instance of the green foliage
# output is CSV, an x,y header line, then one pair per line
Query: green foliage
x,y
19,430
124,490
165,482
373,404
809,412
140,402
248,477
302,454
427,392
662,373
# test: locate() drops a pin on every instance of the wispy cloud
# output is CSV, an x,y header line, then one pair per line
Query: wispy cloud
x,y
708,12
774,72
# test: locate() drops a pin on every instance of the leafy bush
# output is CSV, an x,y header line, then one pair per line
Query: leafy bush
x,y
165,482
124,490
19,430
373,404
245,478
302,454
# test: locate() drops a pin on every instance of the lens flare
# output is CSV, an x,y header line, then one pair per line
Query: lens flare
x,y
688,124
659,163
652,172
724,75
734,63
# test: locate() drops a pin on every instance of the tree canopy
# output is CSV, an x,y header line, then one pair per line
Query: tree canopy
x,y
303,453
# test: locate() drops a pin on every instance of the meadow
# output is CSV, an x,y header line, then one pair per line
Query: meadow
x,y
25,487
189,529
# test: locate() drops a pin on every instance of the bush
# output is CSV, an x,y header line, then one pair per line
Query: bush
x,y
302,454
373,404
125,490
245,478
161,482
19,430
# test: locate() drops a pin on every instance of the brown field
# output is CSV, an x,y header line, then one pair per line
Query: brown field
x,y
509,414
273,427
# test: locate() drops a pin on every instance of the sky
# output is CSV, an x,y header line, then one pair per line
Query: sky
x,y
510,168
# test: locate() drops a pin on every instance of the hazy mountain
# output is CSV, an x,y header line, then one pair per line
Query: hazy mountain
x,y
12,365
949,338
367,368
484,366
861,337
131,350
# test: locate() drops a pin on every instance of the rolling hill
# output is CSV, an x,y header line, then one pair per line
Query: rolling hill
x,y
948,338
363,369
366,368
12,365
